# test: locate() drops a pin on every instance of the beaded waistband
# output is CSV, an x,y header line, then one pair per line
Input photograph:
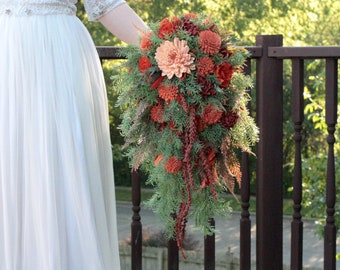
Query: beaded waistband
x,y
36,9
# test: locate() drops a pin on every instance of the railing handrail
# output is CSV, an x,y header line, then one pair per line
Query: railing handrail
x,y
285,52
305,52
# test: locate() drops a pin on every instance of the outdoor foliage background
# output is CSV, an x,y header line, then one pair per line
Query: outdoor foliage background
x,y
302,23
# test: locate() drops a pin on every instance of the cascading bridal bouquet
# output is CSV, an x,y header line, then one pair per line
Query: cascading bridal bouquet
x,y
185,118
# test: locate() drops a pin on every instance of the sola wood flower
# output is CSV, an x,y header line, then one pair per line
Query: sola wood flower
x,y
207,87
211,115
173,58
205,65
229,119
144,63
166,27
173,165
156,113
224,73
210,42
168,92
145,43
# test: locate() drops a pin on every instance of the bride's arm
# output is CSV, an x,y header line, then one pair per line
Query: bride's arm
x,y
124,23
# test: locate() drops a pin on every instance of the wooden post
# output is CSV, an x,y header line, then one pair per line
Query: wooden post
x,y
269,156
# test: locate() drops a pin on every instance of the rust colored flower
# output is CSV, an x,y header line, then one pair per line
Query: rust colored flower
x,y
156,113
224,73
144,63
205,66
168,92
207,87
211,115
158,159
229,119
209,42
173,58
173,165
145,43
166,27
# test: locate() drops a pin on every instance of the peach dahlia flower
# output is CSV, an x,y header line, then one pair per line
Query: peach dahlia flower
x,y
173,58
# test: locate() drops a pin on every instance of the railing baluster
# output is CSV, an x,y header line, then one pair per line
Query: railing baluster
x,y
209,249
298,116
173,258
136,225
245,223
331,119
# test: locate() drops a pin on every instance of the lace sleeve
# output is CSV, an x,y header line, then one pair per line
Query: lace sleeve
x,y
97,8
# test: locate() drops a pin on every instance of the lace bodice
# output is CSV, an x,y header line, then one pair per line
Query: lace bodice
x,y
94,8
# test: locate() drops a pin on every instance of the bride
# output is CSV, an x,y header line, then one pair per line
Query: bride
x,y
57,201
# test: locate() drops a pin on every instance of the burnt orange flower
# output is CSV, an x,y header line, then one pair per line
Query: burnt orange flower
x,y
144,63
209,42
224,73
166,27
205,65
173,165
145,43
211,115
157,113
168,92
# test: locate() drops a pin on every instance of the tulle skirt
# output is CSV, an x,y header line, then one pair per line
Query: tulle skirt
x,y
57,201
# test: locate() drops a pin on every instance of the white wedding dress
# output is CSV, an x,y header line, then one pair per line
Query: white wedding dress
x,y
57,201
